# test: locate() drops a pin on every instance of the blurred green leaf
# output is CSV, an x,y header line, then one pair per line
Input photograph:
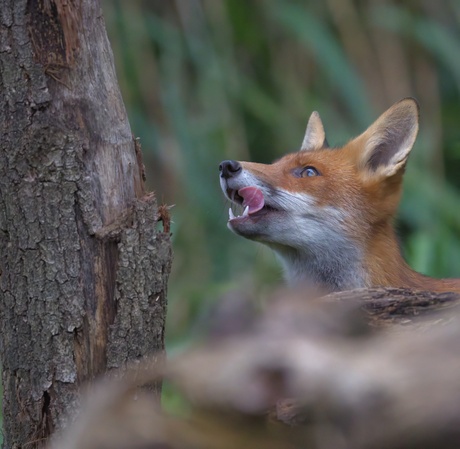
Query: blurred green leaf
x,y
299,21
442,42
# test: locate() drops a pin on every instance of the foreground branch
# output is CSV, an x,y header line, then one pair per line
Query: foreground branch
x,y
331,372
400,306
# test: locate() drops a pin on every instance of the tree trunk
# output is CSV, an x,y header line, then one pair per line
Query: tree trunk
x,y
83,267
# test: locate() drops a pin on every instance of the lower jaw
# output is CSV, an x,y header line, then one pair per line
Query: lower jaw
x,y
251,233
251,227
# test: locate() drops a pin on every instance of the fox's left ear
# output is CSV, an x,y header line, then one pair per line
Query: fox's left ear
x,y
315,137
386,144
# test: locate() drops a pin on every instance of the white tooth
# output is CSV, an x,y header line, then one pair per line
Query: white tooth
x,y
246,211
231,216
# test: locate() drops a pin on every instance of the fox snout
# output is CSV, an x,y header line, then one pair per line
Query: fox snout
x,y
228,169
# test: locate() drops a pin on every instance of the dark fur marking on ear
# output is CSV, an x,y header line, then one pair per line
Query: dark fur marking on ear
x,y
393,138
380,156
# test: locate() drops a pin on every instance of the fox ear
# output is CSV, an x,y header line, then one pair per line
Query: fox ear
x,y
315,137
386,144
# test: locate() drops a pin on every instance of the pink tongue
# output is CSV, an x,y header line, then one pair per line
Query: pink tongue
x,y
252,197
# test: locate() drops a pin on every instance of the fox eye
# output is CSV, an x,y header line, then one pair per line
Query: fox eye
x,y
308,171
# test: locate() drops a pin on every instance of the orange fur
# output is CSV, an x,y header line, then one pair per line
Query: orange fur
x,y
369,197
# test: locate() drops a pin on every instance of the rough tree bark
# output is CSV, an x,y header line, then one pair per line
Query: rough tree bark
x,y
83,266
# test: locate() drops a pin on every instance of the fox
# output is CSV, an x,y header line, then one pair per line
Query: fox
x,y
329,212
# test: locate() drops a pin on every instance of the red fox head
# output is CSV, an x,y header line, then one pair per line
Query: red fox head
x,y
327,212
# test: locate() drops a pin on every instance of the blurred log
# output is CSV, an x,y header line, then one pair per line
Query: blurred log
x,y
351,384
385,306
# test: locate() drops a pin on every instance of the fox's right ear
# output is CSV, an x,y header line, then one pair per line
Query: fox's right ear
x,y
385,146
315,137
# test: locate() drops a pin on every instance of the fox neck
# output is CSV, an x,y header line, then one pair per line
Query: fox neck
x,y
386,267
345,265
333,266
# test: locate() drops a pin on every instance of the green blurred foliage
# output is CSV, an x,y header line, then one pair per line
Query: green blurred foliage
x,y
207,80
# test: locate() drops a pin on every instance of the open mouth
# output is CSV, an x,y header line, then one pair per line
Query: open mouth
x,y
251,199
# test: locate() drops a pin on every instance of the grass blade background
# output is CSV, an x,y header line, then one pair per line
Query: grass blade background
x,y
206,81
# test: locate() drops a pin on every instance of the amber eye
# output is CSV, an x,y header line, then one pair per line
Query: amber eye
x,y
309,171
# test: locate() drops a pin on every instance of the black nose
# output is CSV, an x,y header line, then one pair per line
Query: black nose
x,y
229,168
